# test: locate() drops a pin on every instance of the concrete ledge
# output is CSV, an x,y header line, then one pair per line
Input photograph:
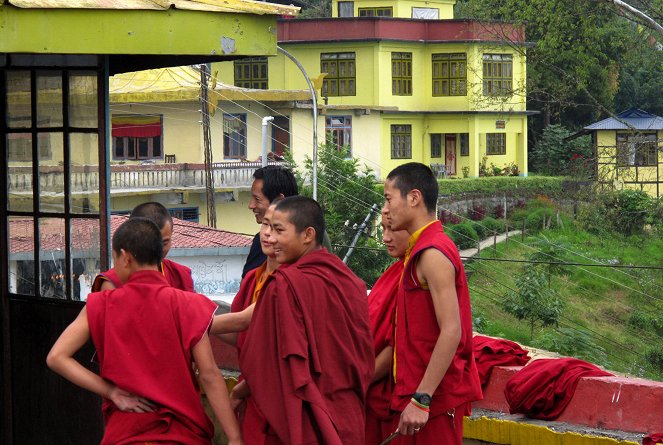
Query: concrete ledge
x,y
614,403
496,428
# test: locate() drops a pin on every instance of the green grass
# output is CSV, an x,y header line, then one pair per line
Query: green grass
x,y
600,301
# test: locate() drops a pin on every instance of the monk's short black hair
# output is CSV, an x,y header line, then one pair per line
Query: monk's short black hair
x,y
415,175
304,212
276,180
141,238
155,212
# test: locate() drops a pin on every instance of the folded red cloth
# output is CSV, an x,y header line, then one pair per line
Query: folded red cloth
x,y
489,352
652,439
545,387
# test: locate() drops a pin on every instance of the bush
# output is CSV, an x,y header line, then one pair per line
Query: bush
x,y
627,210
654,358
534,220
493,225
480,229
498,211
477,212
448,217
591,218
463,235
491,186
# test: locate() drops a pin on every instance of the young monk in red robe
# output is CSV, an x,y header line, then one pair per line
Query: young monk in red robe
x,y
308,354
435,374
231,328
147,334
178,276
381,305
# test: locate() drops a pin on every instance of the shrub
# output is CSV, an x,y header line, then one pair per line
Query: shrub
x,y
638,320
477,212
480,229
448,217
493,225
534,220
591,218
654,358
463,235
627,210
498,211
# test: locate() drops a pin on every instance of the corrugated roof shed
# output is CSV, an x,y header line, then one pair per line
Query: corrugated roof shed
x,y
633,119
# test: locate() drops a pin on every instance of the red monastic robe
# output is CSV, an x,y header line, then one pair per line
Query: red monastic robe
x,y
545,387
416,334
144,333
490,352
653,439
178,276
381,306
252,422
308,354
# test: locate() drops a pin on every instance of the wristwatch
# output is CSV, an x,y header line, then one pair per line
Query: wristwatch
x,y
422,398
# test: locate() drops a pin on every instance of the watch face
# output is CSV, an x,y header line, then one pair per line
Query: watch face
x,y
422,398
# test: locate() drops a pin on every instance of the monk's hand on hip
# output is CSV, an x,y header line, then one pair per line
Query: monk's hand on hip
x,y
128,402
412,420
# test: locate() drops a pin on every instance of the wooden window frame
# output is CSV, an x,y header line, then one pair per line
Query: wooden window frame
x,y
352,7
497,74
640,153
401,74
436,154
386,11
336,133
464,143
444,66
341,70
228,148
495,144
251,72
401,141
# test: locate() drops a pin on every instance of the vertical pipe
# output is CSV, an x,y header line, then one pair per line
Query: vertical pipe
x,y
265,138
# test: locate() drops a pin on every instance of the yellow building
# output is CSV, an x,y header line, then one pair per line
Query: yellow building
x,y
629,151
403,82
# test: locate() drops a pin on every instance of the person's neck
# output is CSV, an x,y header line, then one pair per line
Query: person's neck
x,y
140,267
271,265
420,221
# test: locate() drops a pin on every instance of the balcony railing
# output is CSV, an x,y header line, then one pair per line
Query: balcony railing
x,y
136,178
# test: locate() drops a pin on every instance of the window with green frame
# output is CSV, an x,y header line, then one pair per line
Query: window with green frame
x,y
401,141
251,73
495,143
636,149
401,74
450,74
341,75
497,74
376,12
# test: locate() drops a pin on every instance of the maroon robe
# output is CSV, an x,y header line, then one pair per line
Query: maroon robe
x,y
308,354
416,334
252,422
381,305
653,439
545,387
178,276
144,333
490,352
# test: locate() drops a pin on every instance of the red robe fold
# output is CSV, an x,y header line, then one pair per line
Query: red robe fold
x,y
381,306
178,276
308,354
252,422
417,333
490,352
653,439
144,333
545,387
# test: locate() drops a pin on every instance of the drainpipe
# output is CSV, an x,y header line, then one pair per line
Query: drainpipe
x,y
314,98
265,138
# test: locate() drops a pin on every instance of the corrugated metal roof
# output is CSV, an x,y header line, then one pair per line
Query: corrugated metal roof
x,y
239,6
633,119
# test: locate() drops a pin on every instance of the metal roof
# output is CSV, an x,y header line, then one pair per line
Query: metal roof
x,y
238,6
633,119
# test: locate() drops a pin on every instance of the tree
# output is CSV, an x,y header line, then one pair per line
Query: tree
x,y
534,301
346,195
554,155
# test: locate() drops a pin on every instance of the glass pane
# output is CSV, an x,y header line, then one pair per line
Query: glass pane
x,y
51,172
19,172
52,257
84,173
49,99
19,112
85,256
21,256
83,100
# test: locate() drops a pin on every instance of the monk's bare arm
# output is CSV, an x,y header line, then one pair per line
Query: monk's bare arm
x,y
106,285
383,363
215,388
61,360
438,272
232,322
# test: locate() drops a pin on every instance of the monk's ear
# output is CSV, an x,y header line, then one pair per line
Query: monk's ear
x,y
415,197
309,235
